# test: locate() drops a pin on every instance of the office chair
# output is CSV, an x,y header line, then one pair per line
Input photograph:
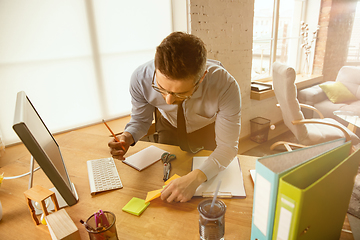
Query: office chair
x,y
307,131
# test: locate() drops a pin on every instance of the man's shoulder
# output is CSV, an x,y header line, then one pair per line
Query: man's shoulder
x,y
216,69
146,66
217,75
214,63
144,70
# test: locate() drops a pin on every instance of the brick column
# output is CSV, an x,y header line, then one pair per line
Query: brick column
x,y
226,27
336,21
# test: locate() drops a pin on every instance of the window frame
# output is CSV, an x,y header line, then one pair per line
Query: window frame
x,y
275,38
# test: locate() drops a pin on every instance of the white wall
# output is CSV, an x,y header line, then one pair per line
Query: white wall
x,y
74,58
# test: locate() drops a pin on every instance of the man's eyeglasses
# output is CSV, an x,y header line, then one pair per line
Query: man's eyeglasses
x,y
177,95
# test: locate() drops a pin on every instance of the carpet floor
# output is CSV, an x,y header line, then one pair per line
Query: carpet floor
x,y
264,150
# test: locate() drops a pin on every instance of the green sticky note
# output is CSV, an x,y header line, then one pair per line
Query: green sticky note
x,y
135,206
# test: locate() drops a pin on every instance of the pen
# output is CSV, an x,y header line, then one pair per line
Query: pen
x,y
86,225
112,133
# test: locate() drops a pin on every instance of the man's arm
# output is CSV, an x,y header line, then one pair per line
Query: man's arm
x,y
142,112
227,131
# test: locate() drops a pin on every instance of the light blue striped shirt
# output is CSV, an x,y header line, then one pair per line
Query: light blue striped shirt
x,y
216,100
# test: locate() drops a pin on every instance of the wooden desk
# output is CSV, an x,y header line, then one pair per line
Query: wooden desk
x,y
161,220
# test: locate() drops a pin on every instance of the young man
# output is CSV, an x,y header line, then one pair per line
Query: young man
x,y
181,81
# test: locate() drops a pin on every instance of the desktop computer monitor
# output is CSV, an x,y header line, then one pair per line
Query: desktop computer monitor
x,y
37,138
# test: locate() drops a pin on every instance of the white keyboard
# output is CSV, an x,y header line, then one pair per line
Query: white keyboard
x,y
103,175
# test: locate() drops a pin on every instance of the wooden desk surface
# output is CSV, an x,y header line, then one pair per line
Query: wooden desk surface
x,y
161,220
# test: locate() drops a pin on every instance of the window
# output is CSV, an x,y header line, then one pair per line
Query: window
x,y
353,57
278,39
74,59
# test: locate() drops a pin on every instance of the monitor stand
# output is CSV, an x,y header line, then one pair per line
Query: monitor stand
x,y
49,204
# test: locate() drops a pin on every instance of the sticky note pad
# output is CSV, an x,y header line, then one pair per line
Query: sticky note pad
x,y
157,193
175,176
135,206
152,195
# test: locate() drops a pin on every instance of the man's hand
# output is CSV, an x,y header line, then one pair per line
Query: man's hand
x,y
118,149
183,189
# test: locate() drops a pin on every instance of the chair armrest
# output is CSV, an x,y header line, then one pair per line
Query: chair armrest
x,y
319,121
312,108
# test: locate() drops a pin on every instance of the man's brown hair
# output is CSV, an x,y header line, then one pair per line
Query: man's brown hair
x,y
181,56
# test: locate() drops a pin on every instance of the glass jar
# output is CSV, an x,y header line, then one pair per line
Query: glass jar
x,y
211,221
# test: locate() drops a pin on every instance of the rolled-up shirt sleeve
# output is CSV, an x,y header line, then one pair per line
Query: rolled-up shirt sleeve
x,y
141,112
227,131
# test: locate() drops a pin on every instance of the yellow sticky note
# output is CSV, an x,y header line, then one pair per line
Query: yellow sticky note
x,y
156,193
175,176
135,206
152,195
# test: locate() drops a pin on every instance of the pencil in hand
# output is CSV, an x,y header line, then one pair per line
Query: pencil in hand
x,y
112,133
